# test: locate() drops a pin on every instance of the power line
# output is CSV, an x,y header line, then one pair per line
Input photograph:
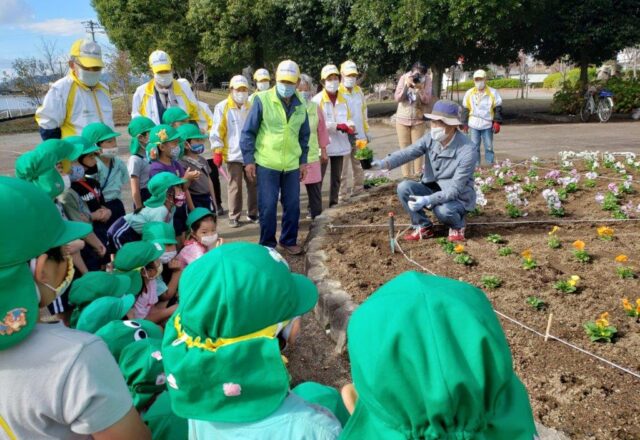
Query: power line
x,y
93,28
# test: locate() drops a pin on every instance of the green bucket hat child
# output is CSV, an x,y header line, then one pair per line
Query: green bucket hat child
x,y
94,285
159,135
430,360
158,187
143,371
138,126
118,334
29,228
173,115
97,132
163,422
197,214
190,131
104,310
132,257
221,353
159,232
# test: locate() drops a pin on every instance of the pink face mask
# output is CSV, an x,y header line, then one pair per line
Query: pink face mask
x,y
179,199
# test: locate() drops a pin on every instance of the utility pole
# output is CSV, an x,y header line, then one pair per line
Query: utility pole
x,y
93,28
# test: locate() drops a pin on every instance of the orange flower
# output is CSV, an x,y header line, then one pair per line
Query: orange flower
x,y
361,144
622,258
626,305
605,232
458,249
603,321
579,245
526,254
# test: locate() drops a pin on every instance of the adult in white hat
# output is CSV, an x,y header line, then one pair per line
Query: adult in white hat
x,y
275,144
229,117
152,98
262,78
79,98
482,114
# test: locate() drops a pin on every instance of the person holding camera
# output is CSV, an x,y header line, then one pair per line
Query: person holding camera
x,y
413,95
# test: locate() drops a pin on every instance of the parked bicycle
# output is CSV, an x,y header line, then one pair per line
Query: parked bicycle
x,y
603,107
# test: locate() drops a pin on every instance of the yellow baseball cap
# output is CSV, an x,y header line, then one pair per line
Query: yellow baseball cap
x,y
288,71
261,75
238,81
87,53
348,68
159,60
329,69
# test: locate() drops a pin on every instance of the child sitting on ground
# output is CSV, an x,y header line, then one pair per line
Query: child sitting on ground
x,y
163,233
203,237
201,189
138,165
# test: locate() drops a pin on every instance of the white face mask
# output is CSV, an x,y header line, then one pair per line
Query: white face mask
x,y
438,134
305,95
163,79
67,181
479,84
262,86
332,86
240,97
89,79
175,152
349,82
167,256
209,241
109,153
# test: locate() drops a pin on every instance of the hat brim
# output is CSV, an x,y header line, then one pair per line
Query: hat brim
x,y
77,151
108,136
287,77
72,231
350,72
259,78
160,67
124,285
135,281
164,241
90,62
19,309
307,294
197,136
126,302
446,120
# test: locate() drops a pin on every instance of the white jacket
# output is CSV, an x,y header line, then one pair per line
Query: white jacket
x,y
144,102
71,106
481,106
358,109
333,115
228,121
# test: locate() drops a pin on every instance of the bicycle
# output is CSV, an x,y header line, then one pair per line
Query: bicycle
x,y
603,108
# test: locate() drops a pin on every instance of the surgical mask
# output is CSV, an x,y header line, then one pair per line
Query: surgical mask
x,y
479,84
285,90
305,95
167,256
66,179
163,79
45,315
197,148
262,86
349,82
240,97
109,153
438,134
179,199
88,78
77,173
332,86
175,152
209,240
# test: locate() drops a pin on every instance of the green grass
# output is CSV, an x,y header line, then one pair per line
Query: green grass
x,y
21,125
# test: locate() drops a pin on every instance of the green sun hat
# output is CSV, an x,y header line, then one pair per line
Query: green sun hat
x,y
163,133
159,232
325,396
93,285
60,149
159,185
197,214
138,125
143,371
30,224
221,355
97,132
39,168
104,310
83,145
118,334
429,358
132,257
190,131
174,114
163,422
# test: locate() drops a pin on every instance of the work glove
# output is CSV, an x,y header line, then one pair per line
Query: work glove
x,y
377,165
416,203
465,128
344,128
217,159
496,127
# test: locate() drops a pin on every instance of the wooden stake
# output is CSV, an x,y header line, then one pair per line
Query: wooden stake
x,y
546,334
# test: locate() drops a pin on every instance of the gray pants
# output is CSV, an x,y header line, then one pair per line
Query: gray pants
x,y
234,191
451,213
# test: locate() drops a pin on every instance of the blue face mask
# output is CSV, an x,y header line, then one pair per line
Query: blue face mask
x,y
197,148
77,173
285,90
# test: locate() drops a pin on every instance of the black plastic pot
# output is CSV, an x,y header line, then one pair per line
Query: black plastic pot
x,y
366,163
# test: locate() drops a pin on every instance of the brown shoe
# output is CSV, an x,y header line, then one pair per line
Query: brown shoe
x,y
293,250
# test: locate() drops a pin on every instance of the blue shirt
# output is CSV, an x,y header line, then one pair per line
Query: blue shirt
x,y
112,178
295,419
252,126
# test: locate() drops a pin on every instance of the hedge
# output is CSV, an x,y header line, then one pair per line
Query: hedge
x,y
569,98
502,83
554,81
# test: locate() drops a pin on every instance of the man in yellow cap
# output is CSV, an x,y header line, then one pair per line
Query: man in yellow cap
x,y
79,98
152,98
274,144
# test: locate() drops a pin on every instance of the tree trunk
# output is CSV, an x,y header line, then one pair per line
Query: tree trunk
x,y
436,83
584,73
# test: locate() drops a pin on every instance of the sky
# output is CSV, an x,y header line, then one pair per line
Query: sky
x,y
24,23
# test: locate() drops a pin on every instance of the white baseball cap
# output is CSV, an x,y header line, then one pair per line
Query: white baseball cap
x,y
479,74
87,53
348,68
261,75
238,81
159,60
288,71
329,69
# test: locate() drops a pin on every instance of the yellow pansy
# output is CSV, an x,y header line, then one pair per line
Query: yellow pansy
x,y
603,321
554,230
605,231
622,258
458,249
526,254
627,305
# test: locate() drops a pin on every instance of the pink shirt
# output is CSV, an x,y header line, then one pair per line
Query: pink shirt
x,y
191,251
410,112
146,300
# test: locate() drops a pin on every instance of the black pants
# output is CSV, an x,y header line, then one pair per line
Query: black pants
x,y
119,234
314,192
215,179
202,201
336,172
117,210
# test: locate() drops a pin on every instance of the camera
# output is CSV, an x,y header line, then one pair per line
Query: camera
x,y
416,77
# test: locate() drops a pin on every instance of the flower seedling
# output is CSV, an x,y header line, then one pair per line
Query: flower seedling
x,y
622,270
630,310
553,202
581,255
461,256
496,239
528,261
554,241
568,286
605,233
446,245
590,181
505,251
491,282
536,302
600,330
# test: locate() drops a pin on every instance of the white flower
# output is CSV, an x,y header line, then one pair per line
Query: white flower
x,y
591,175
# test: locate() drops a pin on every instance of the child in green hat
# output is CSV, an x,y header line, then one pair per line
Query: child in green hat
x,y
165,189
201,189
112,173
94,285
104,310
175,117
138,165
143,371
163,233
118,334
221,354
203,237
429,360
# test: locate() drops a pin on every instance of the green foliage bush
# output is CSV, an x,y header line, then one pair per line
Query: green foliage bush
x,y
554,81
502,83
569,99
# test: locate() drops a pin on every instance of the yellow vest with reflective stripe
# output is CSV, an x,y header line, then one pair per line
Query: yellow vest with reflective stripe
x,y
277,144
314,146
223,127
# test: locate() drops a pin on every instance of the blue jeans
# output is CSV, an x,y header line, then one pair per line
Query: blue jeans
x,y
450,213
487,139
271,184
